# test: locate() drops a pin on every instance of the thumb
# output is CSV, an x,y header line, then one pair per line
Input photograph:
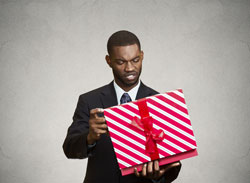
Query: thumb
x,y
168,167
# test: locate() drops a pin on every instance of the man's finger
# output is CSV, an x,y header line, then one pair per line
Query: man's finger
x,y
175,164
144,170
161,172
150,168
100,132
100,120
94,112
156,168
136,172
102,126
156,165
168,167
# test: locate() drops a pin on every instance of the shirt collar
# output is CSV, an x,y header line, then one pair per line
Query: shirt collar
x,y
132,93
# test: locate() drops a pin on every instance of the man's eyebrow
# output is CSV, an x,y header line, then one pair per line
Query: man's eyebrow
x,y
118,59
121,59
136,57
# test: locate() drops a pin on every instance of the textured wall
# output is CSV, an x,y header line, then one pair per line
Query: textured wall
x,y
53,50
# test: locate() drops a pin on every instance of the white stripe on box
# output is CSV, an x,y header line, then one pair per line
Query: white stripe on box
x,y
118,115
127,156
170,107
172,126
128,111
133,105
130,149
175,100
174,145
125,128
176,137
123,162
165,150
161,156
127,138
178,93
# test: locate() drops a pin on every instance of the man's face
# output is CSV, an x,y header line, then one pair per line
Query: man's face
x,y
126,63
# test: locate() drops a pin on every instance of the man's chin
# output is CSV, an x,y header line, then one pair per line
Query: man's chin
x,y
131,83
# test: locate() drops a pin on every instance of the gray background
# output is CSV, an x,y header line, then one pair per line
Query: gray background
x,y
52,51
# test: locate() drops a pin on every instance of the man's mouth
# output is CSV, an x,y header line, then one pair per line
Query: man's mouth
x,y
131,76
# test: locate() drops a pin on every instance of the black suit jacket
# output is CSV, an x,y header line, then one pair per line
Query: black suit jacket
x,y
102,164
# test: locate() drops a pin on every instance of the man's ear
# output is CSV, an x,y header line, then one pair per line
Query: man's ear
x,y
107,58
142,55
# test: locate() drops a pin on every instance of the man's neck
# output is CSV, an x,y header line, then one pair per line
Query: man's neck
x,y
126,88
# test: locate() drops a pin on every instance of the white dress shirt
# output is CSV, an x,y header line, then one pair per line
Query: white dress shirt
x,y
132,93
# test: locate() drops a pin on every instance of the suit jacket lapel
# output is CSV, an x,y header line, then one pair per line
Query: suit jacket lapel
x,y
108,96
144,91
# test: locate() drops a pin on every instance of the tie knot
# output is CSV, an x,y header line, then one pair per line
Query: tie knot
x,y
125,98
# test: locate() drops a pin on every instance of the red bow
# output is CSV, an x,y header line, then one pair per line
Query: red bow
x,y
146,124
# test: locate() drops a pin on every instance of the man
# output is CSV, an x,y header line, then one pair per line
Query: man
x,y
88,134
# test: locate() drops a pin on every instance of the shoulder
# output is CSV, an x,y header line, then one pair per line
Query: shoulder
x,y
95,94
151,90
145,91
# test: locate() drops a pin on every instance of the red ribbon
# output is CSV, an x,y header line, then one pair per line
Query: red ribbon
x,y
146,124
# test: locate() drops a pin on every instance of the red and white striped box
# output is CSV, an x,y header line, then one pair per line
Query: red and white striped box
x,y
133,142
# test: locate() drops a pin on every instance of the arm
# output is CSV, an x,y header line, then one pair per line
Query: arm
x,y
75,143
86,129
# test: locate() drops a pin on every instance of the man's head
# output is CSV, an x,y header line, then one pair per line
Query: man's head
x,y
125,58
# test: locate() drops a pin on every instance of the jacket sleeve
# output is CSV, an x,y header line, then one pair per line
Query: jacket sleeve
x,y
172,174
75,143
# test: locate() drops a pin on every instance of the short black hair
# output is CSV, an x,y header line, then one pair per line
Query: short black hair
x,y
122,38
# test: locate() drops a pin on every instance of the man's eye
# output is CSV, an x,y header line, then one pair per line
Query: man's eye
x,y
120,62
136,60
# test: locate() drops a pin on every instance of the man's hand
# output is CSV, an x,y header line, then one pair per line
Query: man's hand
x,y
152,170
97,126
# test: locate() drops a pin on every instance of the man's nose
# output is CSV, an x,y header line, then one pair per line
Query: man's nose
x,y
129,67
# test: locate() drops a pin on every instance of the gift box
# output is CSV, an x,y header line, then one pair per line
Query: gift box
x,y
155,127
